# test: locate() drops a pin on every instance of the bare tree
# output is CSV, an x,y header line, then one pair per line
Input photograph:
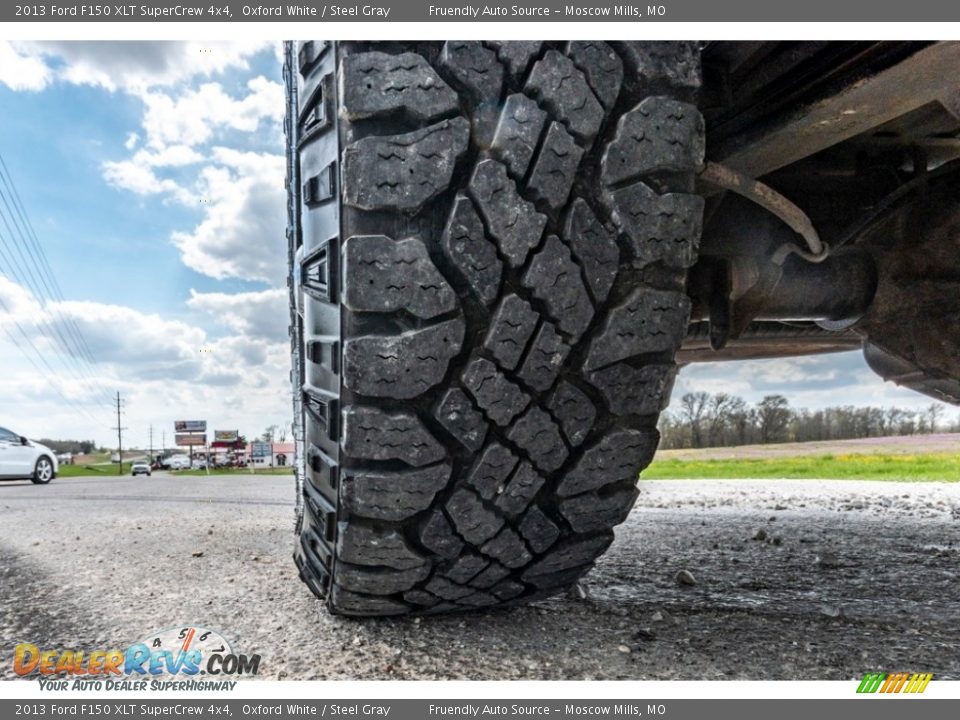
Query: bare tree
x,y
934,412
692,407
774,414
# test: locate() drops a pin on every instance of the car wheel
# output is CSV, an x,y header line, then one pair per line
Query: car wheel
x,y
43,472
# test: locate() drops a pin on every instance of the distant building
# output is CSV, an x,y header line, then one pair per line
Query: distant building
x,y
281,455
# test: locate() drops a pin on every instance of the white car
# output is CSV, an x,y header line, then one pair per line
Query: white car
x,y
140,467
22,459
177,462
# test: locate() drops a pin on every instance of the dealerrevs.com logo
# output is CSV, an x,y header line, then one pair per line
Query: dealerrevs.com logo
x,y
173,659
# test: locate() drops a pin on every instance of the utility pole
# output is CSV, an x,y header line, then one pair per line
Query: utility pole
x,y
119,437
151,444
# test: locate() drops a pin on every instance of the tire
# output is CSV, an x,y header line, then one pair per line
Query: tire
x,y
489,246
42,471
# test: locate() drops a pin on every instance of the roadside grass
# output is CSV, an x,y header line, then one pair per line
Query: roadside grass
x,y
111,471
237,471
920,467
106,470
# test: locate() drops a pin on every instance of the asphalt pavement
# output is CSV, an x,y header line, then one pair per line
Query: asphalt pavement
x,y
778,580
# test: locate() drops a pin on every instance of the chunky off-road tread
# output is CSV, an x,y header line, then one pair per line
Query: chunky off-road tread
x,y
661,228
376,84
555,168
510,329
602,67
403,172
498,397
658,135
392,495
649,321
516,55
401,366
610,460
593,511
514,223
545,359
554,278
594,247
373,434
494,302
491,470
470,252
538,530
473,67
539,436
520,491
641,390
560,86
379,581
573,409
384,275
518,132
461,419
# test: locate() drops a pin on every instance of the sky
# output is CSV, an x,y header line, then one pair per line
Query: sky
x,y
152,175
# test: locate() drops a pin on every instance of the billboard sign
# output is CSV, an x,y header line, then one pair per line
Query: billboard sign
x,y
189,426
186,440
226,436
261,449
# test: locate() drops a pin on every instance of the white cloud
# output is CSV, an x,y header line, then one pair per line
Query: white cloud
x,y
20,70
259,315
241,234
131,142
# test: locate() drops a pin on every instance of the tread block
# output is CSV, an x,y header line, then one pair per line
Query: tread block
x,y
544,359
549,583
659,135
537,433
510,328
574,410
475,522
491,470
664,228
478,600
518,132
385,275
567,555
375,84
601,65
421,597
437,535
507,590
373,434
470,252
557,83
474,67
648,321
538,530
521,489
379,581
465,568
594,511
556,167
443,588
391,495
350,603
403,172
490,576
457,414
401,366
361,545
554,278
629,390
620,455
499,398
672,63
508,548
516,54
514,222
594,247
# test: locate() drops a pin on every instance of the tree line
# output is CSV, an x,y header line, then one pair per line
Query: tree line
x,y
702,419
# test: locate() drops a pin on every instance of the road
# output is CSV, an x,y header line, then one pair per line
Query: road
x,y
794,580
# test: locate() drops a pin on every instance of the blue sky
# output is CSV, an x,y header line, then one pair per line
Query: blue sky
x,y
153,174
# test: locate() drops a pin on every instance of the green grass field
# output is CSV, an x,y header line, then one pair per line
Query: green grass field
x,y
111,471
919,467
106,470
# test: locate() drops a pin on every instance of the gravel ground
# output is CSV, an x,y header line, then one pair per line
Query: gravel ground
x,y
791,580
